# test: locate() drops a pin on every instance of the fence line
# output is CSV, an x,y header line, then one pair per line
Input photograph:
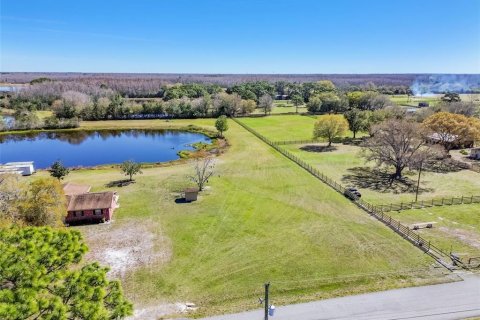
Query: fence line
x,y
281,143
428,203
413,237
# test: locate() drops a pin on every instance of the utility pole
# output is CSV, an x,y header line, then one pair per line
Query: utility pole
x,y
267,285
418,181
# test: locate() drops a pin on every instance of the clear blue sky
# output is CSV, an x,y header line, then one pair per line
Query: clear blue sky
x,y
235,36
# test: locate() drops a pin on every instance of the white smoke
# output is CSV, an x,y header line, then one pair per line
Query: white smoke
x,y
441,83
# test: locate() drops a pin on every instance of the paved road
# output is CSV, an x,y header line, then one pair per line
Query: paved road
x,y
457,300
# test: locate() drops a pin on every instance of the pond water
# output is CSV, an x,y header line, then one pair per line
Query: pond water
x,y
91,148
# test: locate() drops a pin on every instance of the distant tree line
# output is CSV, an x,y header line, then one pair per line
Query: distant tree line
x,y
96,99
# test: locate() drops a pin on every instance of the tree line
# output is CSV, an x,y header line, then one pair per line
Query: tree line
x,y
74,101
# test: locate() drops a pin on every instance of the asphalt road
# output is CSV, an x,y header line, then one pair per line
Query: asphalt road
x,y
456,300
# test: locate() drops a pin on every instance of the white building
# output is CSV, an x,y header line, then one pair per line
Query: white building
x,y
23,168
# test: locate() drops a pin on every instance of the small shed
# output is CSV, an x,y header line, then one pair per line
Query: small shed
x,y
475,153
191,194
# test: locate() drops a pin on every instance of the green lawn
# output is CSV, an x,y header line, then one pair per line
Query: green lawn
x,y
455,228
282,109
412,101
403,99
347,166
283,106
263,219
287,127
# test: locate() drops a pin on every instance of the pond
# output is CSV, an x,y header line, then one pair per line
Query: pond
x,y
91,148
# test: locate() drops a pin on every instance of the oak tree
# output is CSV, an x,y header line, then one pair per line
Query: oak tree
x,y
451,129
330,127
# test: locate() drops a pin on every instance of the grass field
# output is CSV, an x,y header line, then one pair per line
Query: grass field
x,y
347,166
287,127
263,219
412,101
283,106
455,228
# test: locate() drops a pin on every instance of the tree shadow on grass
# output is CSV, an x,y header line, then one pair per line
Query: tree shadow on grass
x,y
119,183
380,180
443,166
316,148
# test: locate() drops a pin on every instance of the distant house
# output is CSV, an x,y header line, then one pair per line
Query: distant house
x,y
450,139
95,206
475,153
282,97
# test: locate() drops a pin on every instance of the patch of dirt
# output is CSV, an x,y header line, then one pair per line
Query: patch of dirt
x,y
469,237
161,310
125,247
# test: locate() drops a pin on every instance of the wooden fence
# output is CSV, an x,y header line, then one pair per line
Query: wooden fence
x,y
282,143
428,203
413,237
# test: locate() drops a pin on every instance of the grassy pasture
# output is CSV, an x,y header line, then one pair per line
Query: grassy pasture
x,y
263,218
412,101
288,127
283,106
455,228
347,166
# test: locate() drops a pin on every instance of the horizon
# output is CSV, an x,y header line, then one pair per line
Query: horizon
x,y
242,37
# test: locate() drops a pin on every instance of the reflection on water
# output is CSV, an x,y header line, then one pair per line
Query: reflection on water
x,y
90,148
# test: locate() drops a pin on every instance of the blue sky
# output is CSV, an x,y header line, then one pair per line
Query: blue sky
x,y
235,36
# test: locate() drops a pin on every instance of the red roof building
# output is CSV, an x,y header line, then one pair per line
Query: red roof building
x,y
84,206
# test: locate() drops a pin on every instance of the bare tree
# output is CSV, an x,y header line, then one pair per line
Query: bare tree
x,y
266,102
203,169
397,143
